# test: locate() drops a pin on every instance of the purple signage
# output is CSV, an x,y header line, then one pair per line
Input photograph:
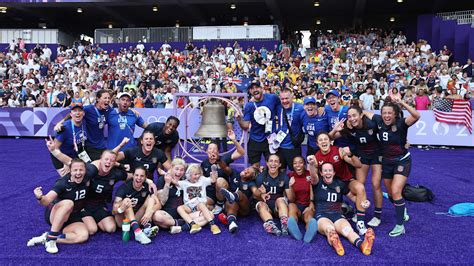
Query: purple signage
x,y
39,122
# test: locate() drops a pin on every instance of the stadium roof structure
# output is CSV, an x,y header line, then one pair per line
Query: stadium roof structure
x,y
289,15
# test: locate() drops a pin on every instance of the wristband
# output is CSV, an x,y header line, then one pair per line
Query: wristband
x,y
120,211
55,152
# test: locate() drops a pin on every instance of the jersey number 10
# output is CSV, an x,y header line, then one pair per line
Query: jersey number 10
x,y
332,197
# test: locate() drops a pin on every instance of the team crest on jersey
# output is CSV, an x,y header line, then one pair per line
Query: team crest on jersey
x,y
88,183
353,134
154,160
371,132
143,194
265,183
336,158
394,128
308,178
400,168
282,183
245,186
338,189
111,182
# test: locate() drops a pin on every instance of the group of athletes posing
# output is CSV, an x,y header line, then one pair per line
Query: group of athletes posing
x,y
186,197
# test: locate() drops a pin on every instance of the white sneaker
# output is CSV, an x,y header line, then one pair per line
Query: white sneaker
x,y
141,238
233,227
151,232
374,222
361,228
217,209
175,230
37,240
51,246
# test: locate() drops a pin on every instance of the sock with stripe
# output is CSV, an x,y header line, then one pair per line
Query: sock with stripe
x,y
399,210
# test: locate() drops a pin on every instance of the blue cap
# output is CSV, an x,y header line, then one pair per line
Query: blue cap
x,y
309,99
333,92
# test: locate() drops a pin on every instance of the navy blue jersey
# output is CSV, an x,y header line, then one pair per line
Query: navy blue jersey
x,y
257,131
236,182
71,134
365,138
312,126
275,186
69,190
135,157
294,117
101,188
122,125
328,198
393,139
162,141
175,197
95,122
206,171
137,197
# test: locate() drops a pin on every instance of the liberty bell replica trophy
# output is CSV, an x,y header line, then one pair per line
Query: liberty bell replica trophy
x,y
213,121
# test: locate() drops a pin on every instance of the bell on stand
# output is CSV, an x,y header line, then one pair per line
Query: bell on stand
x,y
213,121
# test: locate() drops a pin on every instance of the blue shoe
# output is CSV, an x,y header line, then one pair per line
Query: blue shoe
x,y
311,232
229,196
294,229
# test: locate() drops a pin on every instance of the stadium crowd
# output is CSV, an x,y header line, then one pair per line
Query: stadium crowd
x,y
368,66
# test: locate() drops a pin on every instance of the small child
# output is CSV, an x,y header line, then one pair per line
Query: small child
x,y
194,188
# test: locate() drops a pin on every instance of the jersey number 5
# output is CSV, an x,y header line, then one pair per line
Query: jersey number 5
x,y
99,188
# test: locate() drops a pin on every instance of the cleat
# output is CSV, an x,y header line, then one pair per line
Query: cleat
x,y
195,228
361,228
294,229
175,230
336,243
223,218
311,232
271,228
217,209
374,222
229,196
406,217
141,238
398,230
151,232
37,240
215,229
233,228
51,247
366,246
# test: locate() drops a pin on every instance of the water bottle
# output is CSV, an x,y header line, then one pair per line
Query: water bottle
x,y
385,195
125,230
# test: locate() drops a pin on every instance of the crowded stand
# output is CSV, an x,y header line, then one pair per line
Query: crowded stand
x,y
326,95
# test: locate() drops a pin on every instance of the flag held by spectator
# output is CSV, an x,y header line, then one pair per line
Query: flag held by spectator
x,y
454,112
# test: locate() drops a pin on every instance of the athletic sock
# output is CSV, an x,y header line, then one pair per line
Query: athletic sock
x,y
360,216
231,218
357,242
135,226
220,203
236,195
284,220
212,222
378,213
186,226
270,221
179,222
391,199
53,235
399,210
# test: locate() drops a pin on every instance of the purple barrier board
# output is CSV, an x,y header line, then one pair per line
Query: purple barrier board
x,y
39,122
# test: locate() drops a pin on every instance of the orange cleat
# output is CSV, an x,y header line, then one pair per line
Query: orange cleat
x,y
366,246
336,243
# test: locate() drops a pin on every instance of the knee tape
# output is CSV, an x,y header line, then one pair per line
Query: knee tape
x,y
346,230
330,228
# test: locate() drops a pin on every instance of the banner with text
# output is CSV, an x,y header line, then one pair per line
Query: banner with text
x,y
39,122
